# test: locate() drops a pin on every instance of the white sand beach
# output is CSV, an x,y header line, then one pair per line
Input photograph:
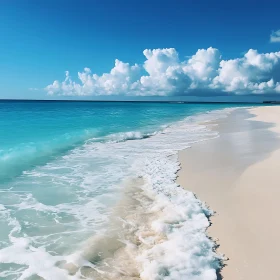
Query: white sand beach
x,y
238,176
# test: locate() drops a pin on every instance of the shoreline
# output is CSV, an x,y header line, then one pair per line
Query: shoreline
x,y
236,176
145,217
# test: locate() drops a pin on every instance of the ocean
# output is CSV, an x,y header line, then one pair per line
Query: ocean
x,y
88,191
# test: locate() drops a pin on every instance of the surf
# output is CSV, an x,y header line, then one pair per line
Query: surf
x,y
108,208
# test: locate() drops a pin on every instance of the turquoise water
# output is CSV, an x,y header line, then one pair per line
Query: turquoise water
x,y
35,132
62,168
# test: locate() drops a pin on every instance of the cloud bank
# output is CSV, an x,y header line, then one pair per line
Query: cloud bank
x,y
163,73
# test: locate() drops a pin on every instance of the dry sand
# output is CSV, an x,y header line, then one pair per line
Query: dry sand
x,y
238,176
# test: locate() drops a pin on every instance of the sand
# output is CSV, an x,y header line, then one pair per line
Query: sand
x,y
238,176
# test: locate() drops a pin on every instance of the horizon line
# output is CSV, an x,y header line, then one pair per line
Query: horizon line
x,y
135,101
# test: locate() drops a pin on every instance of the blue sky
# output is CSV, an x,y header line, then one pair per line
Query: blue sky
x,y
40,40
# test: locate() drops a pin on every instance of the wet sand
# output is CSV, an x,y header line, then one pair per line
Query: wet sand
x,y
238,176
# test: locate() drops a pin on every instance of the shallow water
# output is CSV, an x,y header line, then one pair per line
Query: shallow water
x,y
88,191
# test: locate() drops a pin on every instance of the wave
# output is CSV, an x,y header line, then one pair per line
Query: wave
x,y
14,161
130,135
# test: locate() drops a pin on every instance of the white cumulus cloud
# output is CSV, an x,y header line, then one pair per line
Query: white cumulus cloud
x,y
275,36
252,73
163,73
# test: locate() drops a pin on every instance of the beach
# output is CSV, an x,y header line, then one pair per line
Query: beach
x,y
237,176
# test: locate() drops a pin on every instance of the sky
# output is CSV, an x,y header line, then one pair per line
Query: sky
x,y
60,49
